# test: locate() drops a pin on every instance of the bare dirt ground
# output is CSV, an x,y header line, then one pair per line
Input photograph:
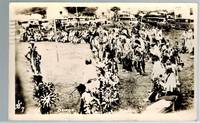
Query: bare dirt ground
x,y
64,65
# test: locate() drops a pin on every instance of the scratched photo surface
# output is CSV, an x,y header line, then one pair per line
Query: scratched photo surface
x,y
103,61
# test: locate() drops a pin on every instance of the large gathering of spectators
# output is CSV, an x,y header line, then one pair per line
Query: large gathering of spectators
x,y
132,47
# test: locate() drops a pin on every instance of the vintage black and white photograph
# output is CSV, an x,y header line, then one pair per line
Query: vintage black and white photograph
x,y
102,61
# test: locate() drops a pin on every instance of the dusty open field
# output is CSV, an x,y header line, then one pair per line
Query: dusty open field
x,y
64,65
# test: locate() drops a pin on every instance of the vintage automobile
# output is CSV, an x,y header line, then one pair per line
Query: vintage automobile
x,y
182,24
127,19
157,20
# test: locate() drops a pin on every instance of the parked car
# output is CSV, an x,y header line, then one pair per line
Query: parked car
x,y
159,21
182,23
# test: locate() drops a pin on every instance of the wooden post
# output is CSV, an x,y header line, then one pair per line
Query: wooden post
x,y
77,16
56,41
55,31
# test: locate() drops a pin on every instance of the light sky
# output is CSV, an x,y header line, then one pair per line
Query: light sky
x,y
133,7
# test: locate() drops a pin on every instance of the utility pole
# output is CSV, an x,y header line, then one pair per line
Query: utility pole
x,y
56,41
77,16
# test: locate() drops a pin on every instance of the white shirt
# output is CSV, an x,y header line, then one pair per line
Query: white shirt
x,y
158,69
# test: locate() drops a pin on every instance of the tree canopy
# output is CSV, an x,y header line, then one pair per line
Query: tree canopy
x,y
34,10
89,11
115,9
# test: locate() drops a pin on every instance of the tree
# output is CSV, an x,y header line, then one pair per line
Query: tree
x,y
115,9
88,11
74,10
34,10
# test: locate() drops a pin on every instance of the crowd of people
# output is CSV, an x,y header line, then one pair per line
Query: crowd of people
x,y
132,47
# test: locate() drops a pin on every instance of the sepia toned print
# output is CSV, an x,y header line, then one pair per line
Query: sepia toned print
x,y
102,61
